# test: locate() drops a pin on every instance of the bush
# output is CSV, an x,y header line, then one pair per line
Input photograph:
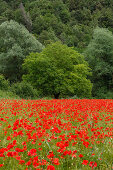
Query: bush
x,y
103,93
4,84
109,95
8,95
24,90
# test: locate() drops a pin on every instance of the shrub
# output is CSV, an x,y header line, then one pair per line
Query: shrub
x,y
24,90
103,93
4,84
8,95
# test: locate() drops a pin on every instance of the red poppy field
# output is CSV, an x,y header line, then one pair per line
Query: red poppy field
x,y
56,134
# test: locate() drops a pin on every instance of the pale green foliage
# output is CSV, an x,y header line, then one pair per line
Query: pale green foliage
x,y
99,54
8,95
15,43
59,71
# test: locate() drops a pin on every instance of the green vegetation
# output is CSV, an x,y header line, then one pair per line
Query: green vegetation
x,y
30,25
8,95
71,21
4,84
15,43
24,90
59,71
99,54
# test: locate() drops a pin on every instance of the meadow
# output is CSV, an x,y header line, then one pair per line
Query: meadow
x,y
64,134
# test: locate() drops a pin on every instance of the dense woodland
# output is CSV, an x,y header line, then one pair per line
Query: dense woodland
x,y
30,26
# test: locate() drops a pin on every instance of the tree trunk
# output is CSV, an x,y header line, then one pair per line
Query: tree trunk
x,y
26,17
56,95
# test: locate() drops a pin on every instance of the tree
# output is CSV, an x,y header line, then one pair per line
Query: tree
x,y
58,71
15,43
99,55
47,36
80,17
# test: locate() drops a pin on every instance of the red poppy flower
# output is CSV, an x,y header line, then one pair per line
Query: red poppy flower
x,y
80,155
21,162
50,167
32,152
8,138
51,155
93,164
2,155
19,150
28,163
56,161
85,162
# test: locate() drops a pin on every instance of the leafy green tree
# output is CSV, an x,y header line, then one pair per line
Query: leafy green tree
x,y
99,55
15,44
41,16
46,37
58,71
106,18
5,11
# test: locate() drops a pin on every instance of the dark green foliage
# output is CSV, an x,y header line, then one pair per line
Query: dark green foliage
x,y
58,71
4,84
24,90
99,54
57,15
6,12
46,37
103,93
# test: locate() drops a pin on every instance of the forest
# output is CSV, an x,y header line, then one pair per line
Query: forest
x,y
56,48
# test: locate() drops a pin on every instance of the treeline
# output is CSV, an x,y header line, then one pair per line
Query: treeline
x,y
71,21
85,25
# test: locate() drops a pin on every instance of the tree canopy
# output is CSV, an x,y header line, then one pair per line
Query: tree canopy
x,y
58,71
15,43
71,21
99,55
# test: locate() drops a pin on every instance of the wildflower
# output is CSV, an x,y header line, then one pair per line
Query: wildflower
x,y
51,155
93,164
32,152
56,161
85,162
19,150
8,138
21,162
28,163
50,167
80,155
